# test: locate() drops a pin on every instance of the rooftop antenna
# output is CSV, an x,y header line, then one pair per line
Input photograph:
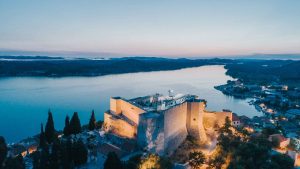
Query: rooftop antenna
x,y
171,93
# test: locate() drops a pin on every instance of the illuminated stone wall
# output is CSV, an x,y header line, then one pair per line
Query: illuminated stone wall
x,y
121,106
115,105
118,126
151,133
214,119
194,123
175,131
131,111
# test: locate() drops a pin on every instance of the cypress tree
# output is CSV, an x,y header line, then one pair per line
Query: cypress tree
x,y
75,124
44,161
112,161
14,162
35,156
80,153
55,155
49,129
40,159
42,138
92,123
226,127
3,150
67,131
66,155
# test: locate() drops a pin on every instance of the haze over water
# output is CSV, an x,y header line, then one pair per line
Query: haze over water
x,y
25,101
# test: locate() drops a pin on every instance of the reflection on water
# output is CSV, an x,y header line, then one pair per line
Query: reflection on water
x,y
24,102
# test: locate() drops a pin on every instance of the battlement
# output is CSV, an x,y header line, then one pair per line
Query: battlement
x,y
159,102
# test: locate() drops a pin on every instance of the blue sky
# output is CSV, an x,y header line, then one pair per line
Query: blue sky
x,y
151,27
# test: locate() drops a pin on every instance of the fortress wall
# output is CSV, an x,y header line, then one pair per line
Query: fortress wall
x,y
131,111
192,120
115,105
151,134
162,132
119,126
175,130
212,119
120,106
195,111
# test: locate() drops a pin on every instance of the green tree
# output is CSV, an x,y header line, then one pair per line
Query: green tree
x,y
282,161
3,150
112,161
80,153
67,129
149,162
217,162
99,124
133,162
269,131
250,155
275,142
226,128
75,125
55,155
41,159
66,155
49,129
92,122
196,159
165,163
42,138
35,156
224,141
154,161
15,163
44,159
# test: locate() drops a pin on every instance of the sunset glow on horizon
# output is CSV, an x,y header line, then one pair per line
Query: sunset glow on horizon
x,y
153,28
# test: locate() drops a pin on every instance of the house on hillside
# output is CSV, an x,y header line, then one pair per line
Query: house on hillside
x,y
235,120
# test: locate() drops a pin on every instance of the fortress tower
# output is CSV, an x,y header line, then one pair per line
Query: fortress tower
x,y
194,121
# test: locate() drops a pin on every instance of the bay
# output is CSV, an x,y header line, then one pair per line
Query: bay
x,y
25,101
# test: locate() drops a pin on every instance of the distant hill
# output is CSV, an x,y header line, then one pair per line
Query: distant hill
x,y
29,57
89,67
251,70
269,57
265,70
289,71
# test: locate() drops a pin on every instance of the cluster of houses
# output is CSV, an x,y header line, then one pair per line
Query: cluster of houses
x,y
269,99
280,106
288,137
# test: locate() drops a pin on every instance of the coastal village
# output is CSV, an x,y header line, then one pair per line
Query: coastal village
x,y
177,125
280,106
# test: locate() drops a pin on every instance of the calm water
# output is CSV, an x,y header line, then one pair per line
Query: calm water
x,y
24,102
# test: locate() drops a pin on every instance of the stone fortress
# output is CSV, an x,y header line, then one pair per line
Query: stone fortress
x,y
160,123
